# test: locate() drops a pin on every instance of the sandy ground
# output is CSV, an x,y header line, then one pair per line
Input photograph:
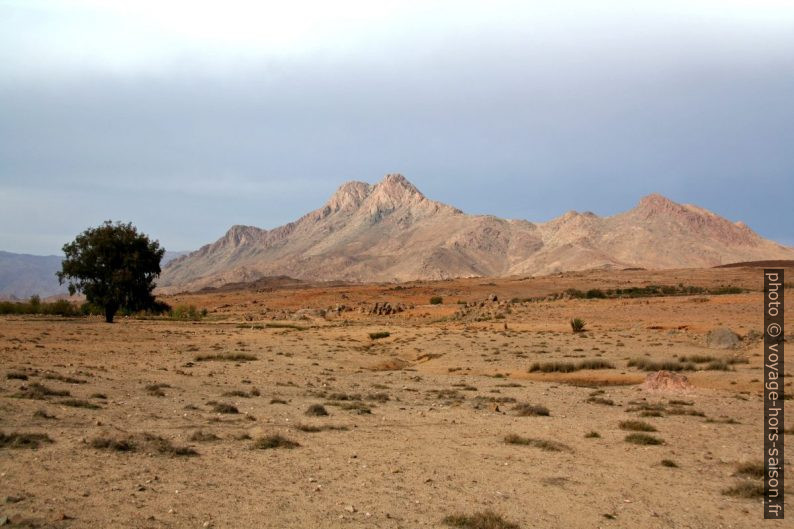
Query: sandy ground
x,y
419,418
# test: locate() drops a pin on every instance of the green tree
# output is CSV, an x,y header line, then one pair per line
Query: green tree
x,y
114,266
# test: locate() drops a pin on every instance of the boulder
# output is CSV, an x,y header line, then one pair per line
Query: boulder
x,y
722,338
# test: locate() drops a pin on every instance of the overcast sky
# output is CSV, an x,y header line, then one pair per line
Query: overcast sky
x,y
186,117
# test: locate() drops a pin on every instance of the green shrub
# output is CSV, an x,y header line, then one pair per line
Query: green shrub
x,y
379,335
186,313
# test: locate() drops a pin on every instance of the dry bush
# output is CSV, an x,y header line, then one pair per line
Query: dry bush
x,y
23,440
543,444
480,520
274,441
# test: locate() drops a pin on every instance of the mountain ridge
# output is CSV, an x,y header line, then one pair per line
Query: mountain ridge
x,y
390,231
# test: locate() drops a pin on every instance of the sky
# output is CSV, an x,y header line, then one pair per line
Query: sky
x,y
187,117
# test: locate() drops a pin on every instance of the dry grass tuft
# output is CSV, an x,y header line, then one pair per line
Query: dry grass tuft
x,y
746,489
643,439
480,520
530,410
549,446
274,441
23,440
637,426
227,357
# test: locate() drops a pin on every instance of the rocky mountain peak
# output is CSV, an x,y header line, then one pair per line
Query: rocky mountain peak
x,y
657,203
393,192
349,196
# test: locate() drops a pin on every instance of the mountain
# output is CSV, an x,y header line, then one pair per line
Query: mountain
x,y
24,275
391,232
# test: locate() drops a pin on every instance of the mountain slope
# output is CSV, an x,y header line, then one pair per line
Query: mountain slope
x,y
391,232
25,275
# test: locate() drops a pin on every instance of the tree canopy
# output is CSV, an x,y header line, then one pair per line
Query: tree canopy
x,y
114,266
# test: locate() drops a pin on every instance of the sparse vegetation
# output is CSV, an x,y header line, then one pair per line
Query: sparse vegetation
x,y
751,469
746,489
577,324
645,364
312,428
23,440
643,439
317,410
274,441
80,403
637,426
142,442
480,520
35,306
37,391
592,435
227,357
222,407
186,313
530,410
63,378
569,367
200,436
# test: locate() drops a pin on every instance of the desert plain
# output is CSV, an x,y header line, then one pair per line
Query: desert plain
x,y
299,405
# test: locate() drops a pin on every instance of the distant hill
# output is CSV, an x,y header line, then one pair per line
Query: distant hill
x,y
25,275
391,232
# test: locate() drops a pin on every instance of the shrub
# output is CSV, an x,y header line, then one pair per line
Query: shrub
x,y
568,367
23,440
636,426
646,364
643,439
753,469
186,313
480,520
595,293
746,489
669,463
80,403
222,407
317,410
577,324
39,392
229,357
436,300
592,435
203,437
549,446
530,410
274,441
379,335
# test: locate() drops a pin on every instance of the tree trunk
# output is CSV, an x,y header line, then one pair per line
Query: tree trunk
x,y
110,311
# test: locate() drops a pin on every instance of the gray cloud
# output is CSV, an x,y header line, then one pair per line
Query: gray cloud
x,y
517,124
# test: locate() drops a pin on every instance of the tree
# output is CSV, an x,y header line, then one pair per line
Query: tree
x,y
114,266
